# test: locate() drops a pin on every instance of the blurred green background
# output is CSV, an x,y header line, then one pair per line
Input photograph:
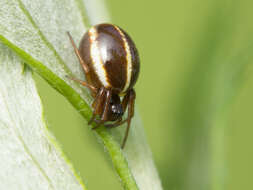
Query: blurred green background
x,y
194,95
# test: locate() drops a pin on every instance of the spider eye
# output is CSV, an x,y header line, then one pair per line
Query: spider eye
x,y
117,110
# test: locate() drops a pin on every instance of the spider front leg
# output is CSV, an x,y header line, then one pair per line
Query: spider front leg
x,y
97,104
105,110
130,115
116,124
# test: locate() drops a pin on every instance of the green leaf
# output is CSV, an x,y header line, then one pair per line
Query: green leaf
x,y
36,31
30,157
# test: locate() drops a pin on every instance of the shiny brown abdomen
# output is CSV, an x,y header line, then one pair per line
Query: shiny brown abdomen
x,y
111,56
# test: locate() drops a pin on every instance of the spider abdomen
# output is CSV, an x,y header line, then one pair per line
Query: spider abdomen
x,y
111,56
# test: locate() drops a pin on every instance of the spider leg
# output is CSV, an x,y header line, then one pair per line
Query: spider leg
x,y
92,88
131,102
113,125
97,104
105,109
116,124
85,67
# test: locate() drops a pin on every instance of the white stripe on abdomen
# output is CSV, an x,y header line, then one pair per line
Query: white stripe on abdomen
x,y
128,60
96,59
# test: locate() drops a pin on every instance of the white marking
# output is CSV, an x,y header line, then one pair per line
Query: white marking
x,y
96,59
128,60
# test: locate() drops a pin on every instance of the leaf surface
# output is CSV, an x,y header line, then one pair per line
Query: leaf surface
x,y
36,31
28,152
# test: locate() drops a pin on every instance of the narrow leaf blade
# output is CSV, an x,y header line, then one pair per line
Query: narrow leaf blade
x,y
28,152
